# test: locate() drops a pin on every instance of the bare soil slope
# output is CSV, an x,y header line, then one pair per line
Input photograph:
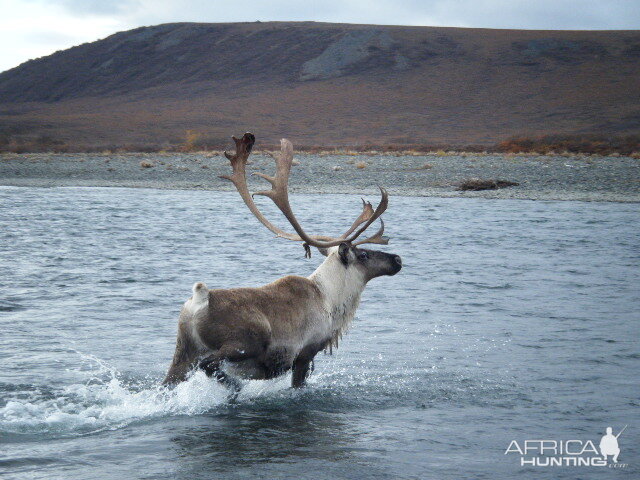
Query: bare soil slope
x,y
327,84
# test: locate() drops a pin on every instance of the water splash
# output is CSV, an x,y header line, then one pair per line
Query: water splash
x,y
106,401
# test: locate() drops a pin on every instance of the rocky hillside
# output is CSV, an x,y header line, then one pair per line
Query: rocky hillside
x,y
326,84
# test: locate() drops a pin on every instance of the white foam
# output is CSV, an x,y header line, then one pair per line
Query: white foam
x,y
109,403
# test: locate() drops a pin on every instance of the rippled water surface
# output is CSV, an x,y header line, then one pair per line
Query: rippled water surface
x,y
510,320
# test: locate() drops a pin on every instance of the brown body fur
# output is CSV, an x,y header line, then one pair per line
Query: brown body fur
x,y
253,324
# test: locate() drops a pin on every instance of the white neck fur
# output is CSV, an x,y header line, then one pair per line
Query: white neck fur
x,y
341,287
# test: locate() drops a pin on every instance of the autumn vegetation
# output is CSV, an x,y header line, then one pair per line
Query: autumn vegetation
x,y
591,144
193,141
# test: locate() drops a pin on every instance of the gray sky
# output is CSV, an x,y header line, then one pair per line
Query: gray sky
x,y
34,28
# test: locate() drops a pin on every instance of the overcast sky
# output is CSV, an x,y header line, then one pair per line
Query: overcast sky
x,y
34,28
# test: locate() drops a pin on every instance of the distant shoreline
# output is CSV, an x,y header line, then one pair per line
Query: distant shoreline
x,y
548,145
567,177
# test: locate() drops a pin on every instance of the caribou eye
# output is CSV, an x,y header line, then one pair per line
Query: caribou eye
x,y
363,255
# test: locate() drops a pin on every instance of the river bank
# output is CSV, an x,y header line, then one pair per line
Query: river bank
x,y
584,178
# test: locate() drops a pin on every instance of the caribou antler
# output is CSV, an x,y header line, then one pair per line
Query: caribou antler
x,y
279,194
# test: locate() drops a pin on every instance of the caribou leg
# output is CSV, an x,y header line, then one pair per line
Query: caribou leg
x,y
177,373
300,372
212,363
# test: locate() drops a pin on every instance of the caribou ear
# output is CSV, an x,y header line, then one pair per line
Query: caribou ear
x,y
343,252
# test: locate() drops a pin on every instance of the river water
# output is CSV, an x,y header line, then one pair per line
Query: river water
x,y
511,320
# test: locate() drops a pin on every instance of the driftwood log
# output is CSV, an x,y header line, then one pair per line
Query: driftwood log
x,y
477,184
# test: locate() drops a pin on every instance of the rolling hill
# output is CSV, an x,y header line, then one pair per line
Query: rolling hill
x,y
326,84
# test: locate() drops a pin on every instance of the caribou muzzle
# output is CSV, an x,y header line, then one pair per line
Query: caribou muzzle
x,y
397,261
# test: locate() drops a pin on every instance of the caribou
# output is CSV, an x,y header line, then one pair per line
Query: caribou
x,y
264,332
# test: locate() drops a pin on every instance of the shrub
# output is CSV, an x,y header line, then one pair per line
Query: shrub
x,y
190,141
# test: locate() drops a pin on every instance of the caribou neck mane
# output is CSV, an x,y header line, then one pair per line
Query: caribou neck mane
x,y
341,288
